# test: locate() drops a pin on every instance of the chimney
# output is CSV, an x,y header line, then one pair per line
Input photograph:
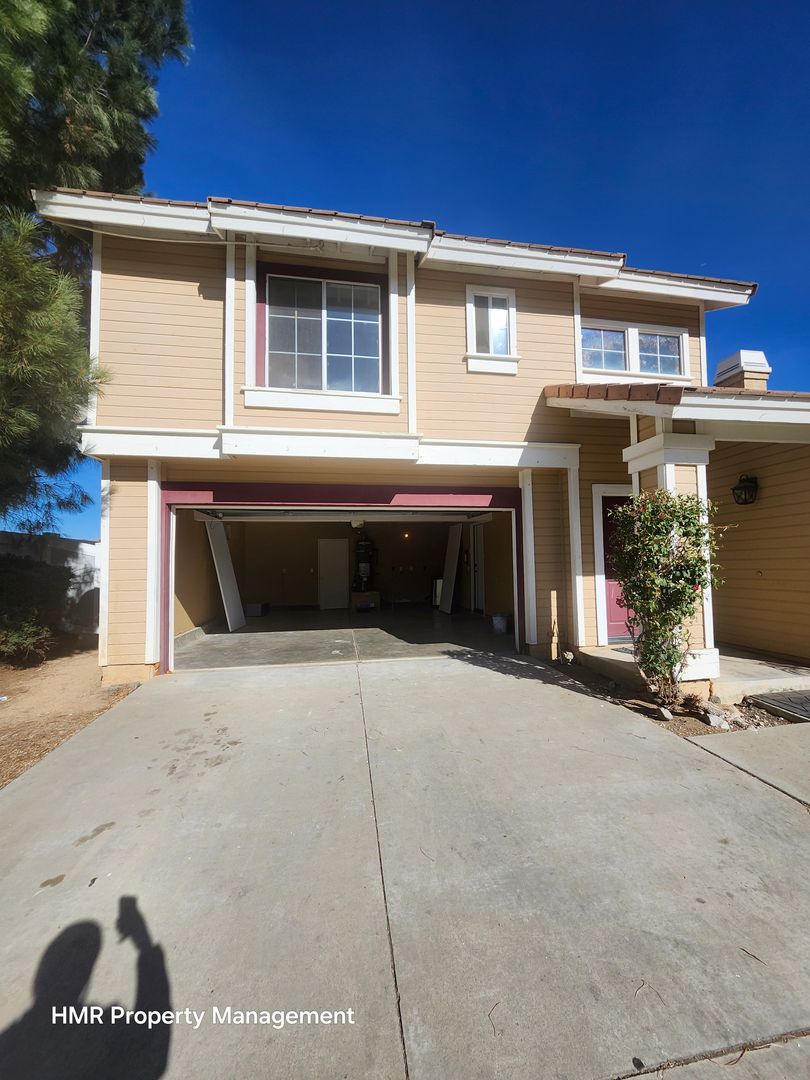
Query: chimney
x,y
747,368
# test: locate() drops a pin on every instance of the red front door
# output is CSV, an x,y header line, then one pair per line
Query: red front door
x,y
616,613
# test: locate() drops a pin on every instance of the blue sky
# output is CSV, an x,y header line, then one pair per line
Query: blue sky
x,y
675,133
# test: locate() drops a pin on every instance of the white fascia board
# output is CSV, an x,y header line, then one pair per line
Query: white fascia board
x,y
743,409
713,295
656,458
301,225
158,443
470,253
498,455
258,442
90,210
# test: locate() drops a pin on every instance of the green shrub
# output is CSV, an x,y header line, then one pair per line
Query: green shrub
x,y
662,558
33,605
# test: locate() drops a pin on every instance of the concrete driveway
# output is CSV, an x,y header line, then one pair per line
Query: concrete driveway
x,y
501,876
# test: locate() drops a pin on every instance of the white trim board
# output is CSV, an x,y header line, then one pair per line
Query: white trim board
x,y
598,491
250,313
410,340
103,441
152,650
104,565
95,321
529,569
268,397
575,542
230,307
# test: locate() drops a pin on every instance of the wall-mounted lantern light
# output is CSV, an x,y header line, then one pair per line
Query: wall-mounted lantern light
x,y
745,490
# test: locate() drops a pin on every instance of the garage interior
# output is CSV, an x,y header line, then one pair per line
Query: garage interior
x,y
254,587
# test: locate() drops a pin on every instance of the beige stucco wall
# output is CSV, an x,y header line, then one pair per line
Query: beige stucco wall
x,y
764,557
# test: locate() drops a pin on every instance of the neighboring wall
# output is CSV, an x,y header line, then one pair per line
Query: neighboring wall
x,y
197,597
764,556
161,339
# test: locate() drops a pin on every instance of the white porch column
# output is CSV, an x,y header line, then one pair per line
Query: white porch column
x,y
667,452
152,653
529,570
575,534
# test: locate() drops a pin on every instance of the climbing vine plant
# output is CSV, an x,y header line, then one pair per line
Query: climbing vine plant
x,y
663,554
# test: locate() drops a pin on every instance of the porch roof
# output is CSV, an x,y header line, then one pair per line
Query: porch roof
x,y
728,413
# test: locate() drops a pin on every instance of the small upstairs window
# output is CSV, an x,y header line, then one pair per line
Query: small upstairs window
x,y
491,321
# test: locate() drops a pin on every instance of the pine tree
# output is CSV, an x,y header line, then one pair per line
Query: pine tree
x,y
46,378
77,93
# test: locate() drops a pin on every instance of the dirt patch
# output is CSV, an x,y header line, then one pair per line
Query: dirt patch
x,y
47,704
686,718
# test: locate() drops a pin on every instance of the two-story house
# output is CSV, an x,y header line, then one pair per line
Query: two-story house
x,y
310,408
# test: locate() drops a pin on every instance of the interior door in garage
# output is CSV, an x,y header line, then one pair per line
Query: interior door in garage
x,y
333,574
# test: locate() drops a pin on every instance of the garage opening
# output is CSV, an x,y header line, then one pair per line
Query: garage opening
x,y
254,587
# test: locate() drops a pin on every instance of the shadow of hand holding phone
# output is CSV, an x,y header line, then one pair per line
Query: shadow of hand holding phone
x,y
40,1046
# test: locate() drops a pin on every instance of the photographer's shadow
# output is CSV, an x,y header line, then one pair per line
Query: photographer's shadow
x,y
37,1046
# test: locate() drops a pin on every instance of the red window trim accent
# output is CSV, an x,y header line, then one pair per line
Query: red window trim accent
x,y
356,277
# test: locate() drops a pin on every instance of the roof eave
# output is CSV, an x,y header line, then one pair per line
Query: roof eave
x,y
91,211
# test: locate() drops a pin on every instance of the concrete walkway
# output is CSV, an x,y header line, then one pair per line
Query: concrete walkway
x,y
500,875
780,756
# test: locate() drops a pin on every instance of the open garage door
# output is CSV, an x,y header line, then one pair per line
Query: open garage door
x,y
325,585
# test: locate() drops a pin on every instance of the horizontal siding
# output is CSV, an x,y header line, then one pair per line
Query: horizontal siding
x,y
126,636
764,557
331,471
161,338
551,560
598,305
455,403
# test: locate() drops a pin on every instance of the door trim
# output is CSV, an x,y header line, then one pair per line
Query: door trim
x,y
598,492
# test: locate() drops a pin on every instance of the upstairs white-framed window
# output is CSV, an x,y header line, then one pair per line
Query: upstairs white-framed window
x,y
323,335
491,330
610,350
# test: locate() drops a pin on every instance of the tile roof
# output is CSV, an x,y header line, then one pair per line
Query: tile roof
x,y
662,393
